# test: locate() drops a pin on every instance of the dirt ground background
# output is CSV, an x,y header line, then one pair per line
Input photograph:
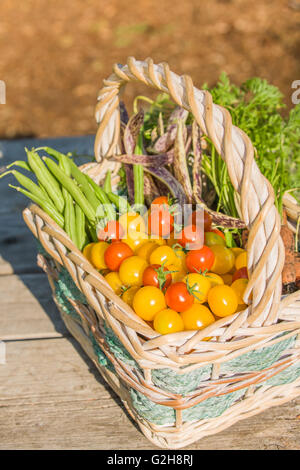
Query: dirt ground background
x,y
55,54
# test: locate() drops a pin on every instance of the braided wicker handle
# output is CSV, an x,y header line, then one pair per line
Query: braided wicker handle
x,y
265,247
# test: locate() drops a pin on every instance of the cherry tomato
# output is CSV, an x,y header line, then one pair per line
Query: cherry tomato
x,y
145,250
112,231
129,294
97,255
200,260
114,281
217,232
199,286
215,279
160,221
211,238
178,297
115,254
131,271
136,241
227,278
201,216
87,250
180,258
157,276
239,287
224,259
222,301
177,273
168,321
190,237
240,273
160,201
148,301
132,223
197,317
237,251
163,255
241,260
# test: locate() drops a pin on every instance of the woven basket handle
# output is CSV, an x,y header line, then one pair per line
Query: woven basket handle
x,y
265,247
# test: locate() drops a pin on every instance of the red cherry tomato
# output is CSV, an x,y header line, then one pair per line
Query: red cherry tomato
x,y
218,232
112,231
160,221
115,254
178,297
158,276
207,219
160,201
241,273
190,237
200,260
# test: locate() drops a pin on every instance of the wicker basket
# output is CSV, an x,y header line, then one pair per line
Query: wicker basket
x,y
179,387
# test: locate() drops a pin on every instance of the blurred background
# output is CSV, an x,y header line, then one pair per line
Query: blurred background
x,y
55,54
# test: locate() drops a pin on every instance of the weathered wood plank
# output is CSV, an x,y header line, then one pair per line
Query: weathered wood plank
x,y
27,307
51,397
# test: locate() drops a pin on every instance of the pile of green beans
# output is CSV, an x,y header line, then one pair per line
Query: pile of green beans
x,y
71,198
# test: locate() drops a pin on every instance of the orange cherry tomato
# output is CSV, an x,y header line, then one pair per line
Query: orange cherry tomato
x,y
241,260
160,221
168,321
200,260
222,301
115,254
211,238
239,287
163,255
178,297
145,250
97,255
197,317
199,286
190,237
131,271
148,301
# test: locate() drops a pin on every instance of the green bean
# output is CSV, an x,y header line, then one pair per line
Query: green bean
x,y
46,179
91,230
21,164
103,198
120,202
45,205
138,174
73,189
107,182
69,212
80,227
28,184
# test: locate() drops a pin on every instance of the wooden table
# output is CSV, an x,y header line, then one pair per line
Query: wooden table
x,y
51,395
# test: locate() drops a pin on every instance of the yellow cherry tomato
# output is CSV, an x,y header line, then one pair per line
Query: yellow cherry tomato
x,y
180,259
215,279
178,274
163,254
224,259
237,251
239,287
200,286
211,238
87,250
197,317
241,260
227,278
144,251
97,255
133,224
128,295
168,321
222,301
148,301
140,239
114,281
131,271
